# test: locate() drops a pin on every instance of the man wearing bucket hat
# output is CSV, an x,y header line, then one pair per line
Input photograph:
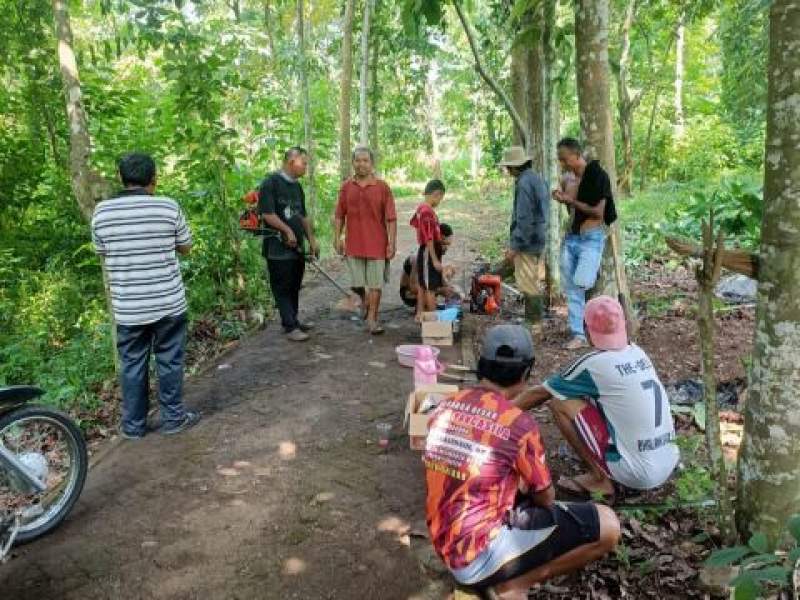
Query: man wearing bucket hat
x,y
611,408
480,451
528,229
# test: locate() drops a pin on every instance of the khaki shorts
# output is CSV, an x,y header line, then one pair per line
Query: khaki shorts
x,y
367,272
529,273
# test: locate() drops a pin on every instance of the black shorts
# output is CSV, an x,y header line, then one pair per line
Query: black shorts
x,y
407,297
577,523
429,278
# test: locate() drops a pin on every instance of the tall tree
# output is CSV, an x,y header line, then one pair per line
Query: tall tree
x,y
519,86
307,125
374,89
346,84
627,101
769,480
594,104
363,87
433,116
87,185
680,45
534,91
552,125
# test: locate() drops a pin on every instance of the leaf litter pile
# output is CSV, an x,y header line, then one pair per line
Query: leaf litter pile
x,y
657,558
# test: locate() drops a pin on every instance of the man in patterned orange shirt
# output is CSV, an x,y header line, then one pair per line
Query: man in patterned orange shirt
x,y
491,508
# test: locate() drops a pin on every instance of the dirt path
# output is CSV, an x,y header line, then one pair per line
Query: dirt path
x,y
280,492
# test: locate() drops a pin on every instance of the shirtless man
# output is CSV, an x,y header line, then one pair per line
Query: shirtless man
x,y
591,206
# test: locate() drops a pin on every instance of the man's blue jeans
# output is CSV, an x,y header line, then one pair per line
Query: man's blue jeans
x,y
166,339
581,255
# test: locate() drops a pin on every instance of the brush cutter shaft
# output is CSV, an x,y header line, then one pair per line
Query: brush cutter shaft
x,y
313,262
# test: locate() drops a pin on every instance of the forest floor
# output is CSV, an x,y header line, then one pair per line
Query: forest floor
x,y
282,492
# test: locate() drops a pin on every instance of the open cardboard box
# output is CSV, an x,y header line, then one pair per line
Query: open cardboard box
x,y
436,332
416,421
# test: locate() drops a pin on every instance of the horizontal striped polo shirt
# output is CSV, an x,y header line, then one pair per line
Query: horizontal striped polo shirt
x,y
137,234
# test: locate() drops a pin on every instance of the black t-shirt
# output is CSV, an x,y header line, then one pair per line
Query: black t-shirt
x,y
595,185
281,196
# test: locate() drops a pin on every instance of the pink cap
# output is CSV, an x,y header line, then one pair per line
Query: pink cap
x,y
605,322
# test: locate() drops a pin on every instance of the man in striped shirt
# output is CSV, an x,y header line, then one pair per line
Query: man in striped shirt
x,y
138,234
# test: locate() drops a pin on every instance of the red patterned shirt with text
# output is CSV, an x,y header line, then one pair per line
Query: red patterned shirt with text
x,y
479,448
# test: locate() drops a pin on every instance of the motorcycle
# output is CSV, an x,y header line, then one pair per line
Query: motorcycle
x,y
43,466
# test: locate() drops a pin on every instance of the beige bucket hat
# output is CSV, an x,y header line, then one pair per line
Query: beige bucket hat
x,y
515,156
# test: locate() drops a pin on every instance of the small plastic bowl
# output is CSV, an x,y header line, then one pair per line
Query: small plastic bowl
x,y
407,354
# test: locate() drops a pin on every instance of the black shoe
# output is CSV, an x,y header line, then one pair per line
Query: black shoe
x,y
296,335
189,421
306,327
130,436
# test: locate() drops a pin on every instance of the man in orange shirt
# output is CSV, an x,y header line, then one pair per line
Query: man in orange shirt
x,y
491,509
366,215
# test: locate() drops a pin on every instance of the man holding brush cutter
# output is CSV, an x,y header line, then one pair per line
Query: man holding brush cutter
x,y
282,208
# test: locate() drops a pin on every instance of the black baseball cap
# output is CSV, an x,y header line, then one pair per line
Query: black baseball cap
x,y
507,343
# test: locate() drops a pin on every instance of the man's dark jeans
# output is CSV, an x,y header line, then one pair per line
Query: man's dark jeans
x,y
166,339
285,280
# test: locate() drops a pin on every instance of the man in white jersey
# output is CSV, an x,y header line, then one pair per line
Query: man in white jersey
x,y
611,408
138,235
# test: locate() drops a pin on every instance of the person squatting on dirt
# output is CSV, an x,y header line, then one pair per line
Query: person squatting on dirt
x,y
409,282
611,408
430,270
491,509
528,232
591,206
282,207
138,234
366,214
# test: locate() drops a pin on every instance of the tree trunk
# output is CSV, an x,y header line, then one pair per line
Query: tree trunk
x,y
374,91
519,55
268,28
518,121
431,92
237,10
769,480
491,134
626,104
551,136
87,185
363,107
307,125
346,83
707,279
594,103
535,93
475,138
679,56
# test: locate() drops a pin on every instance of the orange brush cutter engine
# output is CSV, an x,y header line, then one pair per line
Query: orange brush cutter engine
x,y
486,293
248,220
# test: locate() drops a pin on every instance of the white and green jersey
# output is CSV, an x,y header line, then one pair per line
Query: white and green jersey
x,y
624,386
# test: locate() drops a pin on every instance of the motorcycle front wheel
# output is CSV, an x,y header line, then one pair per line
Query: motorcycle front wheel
x,y
52,447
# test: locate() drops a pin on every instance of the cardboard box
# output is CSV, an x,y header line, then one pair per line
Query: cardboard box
x,y
435,332
416,421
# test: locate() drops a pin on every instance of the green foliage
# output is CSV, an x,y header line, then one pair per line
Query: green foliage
x,y
737,209
694,482
215,100
758,564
